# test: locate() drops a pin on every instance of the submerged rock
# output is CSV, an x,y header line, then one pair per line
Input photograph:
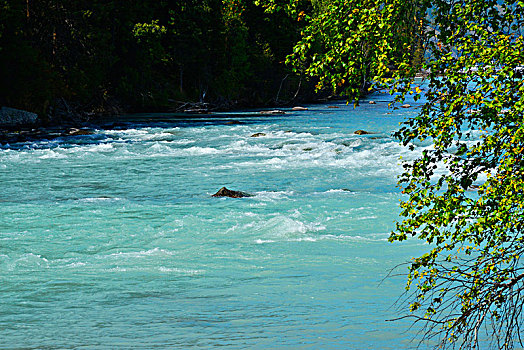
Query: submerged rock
x,y
118,125
298,108
333,107
362,132
258,134
234,122
224,192
273,112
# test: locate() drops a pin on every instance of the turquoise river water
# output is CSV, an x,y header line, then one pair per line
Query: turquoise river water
x,y
113,241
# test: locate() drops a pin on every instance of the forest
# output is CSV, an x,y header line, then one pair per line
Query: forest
x,y
106,57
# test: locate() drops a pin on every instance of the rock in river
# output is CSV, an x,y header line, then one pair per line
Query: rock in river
x,y
224,192
362,132
258,134
298,108
273,112
16,117
79,132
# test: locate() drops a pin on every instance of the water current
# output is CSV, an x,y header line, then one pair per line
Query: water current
x,y
113,241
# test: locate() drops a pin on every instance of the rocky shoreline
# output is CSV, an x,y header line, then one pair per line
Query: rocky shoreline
x,y
69,119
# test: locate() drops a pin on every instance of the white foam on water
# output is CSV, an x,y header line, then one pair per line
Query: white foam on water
x,y
53,154
284,227
327,237
117,269
273,195
296,214
158,136
99,199
241,227
345,238
159,148
128,133
76,264
244,147
196,151
141,254
183,142
352,143
337,190
15,157
165,149
170,270
101,147
304,239
264,241
180,271
366,217
28,260
360,208
381,159
293,134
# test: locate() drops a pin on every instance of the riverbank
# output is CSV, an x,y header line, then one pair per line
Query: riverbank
x,y
19,133
70,119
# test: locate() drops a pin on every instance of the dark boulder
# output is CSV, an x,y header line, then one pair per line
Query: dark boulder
x,y
362,132
118,125
258,134
224,192
11,117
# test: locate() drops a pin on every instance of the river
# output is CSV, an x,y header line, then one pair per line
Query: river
x,y
113,241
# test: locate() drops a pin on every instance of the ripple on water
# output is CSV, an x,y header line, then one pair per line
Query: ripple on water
x,y
119,229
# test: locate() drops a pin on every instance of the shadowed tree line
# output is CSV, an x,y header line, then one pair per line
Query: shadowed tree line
x,y
101,56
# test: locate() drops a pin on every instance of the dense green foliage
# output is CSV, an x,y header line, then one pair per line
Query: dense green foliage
x,y
348,44
465,193
472,280
146,54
